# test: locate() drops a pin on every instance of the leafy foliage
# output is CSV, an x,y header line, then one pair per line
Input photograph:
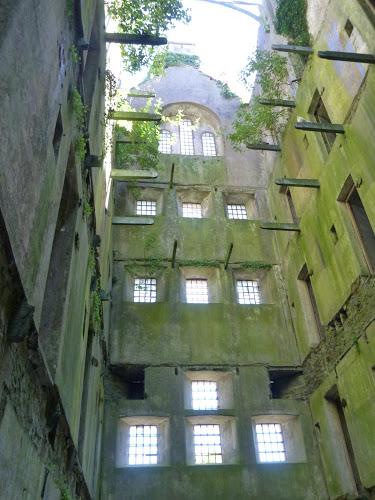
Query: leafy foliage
x,y
255,123
173,59
152,17
291,21
225,90
271,73
79,109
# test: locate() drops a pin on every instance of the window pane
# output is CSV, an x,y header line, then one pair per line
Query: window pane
x,y
145,290
186,138
270,443
140,450
165,143
146,207
193,210
197,291
204,395
236,212
208,144
248,292
207,444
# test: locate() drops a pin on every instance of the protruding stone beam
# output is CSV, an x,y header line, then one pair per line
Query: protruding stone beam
x,y
264,147
171,177
280,226
123,139
305,183
347,56
296,49
119,174
282,103
332,128
132,221
146,95
92,161
230,250
134,116
129,38
174,254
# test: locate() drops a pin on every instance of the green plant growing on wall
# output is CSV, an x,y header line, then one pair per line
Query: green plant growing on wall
x,y
96,312
291,21
225,91
69,10
165,59
152,17
74,54
91,259
255,123
87,208
79,110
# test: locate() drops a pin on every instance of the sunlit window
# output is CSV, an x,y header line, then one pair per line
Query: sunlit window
x,y
270,443
145,207
197,291
145,290
207,444
248,292
186,138
204,395
236,212
208,144
193,210
143,445
165,143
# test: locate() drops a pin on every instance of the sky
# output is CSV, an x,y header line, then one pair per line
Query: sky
x,y
222,38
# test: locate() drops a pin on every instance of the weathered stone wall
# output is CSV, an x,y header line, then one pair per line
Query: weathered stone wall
x,y
53,329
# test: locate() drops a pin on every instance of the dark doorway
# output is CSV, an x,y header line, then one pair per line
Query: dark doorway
x,y
363,227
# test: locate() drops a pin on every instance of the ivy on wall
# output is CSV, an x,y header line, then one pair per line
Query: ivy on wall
x,y
255,123
291,21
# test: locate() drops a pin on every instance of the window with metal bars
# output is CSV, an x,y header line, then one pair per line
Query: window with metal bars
x,y
204,395
236,212
145,207
186,138
193,210
143,445
145,290
165,142
207,444
208,144
197,291
270,443
248,292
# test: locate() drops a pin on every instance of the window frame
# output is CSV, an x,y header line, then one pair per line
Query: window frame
x,y
165,143
196,293
208,148
146,204
186,135
152,292
236,211
258,291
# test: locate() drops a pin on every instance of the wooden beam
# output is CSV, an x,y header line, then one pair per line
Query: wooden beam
x,y
228,256
305,183
333,128
120,174
278,102
174,253
171,177
129,38
296,49
146,95
264,147
134,116
132,221
346,56
279,226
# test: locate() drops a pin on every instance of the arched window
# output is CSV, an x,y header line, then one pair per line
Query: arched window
x,y
165,143
208,144
186,138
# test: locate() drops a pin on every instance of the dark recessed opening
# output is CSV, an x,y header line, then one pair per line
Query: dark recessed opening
x,y
132,380
285,383
348,28
320,113
57,135
334,235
